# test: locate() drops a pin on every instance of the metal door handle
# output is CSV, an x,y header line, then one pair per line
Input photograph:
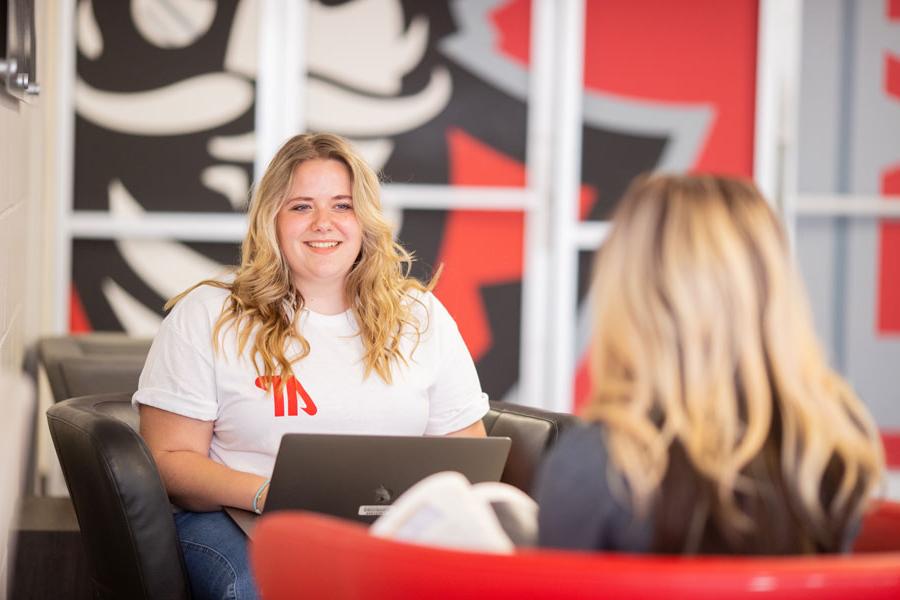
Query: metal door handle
x,y
18,70
15,80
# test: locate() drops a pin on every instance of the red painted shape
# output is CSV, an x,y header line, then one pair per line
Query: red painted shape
x,y
893,10
475,163
586,199
309,407
698,52
891,440
582,384
892,76
512,22
291,387
78,321
889,262
701,52
263,383
889,251
479,247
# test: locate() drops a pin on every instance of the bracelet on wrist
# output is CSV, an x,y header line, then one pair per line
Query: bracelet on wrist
x,y
258,495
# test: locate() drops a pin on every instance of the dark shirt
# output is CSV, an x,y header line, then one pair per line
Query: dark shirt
x,y
577,507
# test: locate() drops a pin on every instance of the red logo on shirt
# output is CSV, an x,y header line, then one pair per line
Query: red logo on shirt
x,y
293,388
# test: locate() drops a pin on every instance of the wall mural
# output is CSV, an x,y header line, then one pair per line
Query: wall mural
x,y
164,103
431,93
654,74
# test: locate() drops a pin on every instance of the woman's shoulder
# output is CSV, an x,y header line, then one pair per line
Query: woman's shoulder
x,y
581,447
430,315
416,296
579,508
424,301
204,300
576,459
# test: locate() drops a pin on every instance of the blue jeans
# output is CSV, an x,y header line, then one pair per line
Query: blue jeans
x,y
215,553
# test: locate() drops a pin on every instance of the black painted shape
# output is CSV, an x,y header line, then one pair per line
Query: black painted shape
x,y
498,368
162,173
422,233
610,160
130,63
585,274
95,261
475,108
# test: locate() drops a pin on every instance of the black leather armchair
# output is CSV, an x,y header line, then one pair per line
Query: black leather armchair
x,y
532,432
125,516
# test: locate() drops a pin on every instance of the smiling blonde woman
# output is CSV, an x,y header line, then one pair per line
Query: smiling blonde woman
x,y
717,425
320,330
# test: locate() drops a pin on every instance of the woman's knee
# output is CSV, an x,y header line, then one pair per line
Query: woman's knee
x,y
215,554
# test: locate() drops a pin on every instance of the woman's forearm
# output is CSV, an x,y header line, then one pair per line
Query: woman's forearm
x,y
196,482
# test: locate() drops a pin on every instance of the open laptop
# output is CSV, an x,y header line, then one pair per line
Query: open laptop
x,y
359,476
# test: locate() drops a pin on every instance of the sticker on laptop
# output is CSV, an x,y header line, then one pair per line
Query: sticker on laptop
x,y
372,510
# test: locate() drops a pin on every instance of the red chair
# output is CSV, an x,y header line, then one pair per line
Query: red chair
x,y
314,556
880,530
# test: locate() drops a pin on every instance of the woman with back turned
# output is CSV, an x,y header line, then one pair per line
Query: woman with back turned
x,y
716,425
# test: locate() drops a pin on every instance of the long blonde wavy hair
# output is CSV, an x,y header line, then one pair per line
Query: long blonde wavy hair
x,y
263,300
705,356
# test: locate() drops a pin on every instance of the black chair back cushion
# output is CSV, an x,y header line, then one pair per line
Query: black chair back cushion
x,y
93,363
532,431
124,514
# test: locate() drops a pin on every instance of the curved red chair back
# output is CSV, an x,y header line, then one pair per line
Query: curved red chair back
x,y
314,556
880,530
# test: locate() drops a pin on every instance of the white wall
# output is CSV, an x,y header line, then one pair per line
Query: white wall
x,y
28,174
18,122
18,147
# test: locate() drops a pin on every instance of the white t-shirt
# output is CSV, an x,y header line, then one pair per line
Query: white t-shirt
x,y
436,393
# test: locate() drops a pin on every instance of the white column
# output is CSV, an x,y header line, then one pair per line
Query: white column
x,y
777,105
280,103
560,355
534,338
64,159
